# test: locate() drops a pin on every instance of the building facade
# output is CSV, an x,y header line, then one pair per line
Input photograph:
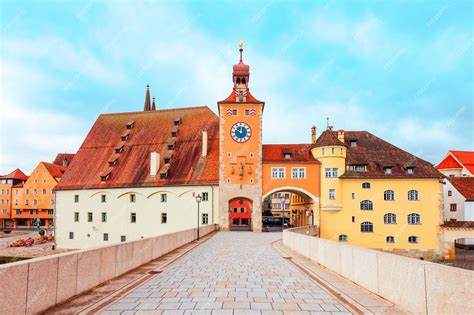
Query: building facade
x,y
10,188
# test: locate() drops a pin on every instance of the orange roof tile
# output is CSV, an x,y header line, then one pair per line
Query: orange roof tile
x,y
54,170
150,132
298,153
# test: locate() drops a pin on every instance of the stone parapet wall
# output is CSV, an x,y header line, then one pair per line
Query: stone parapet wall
x,y
415,285
34,285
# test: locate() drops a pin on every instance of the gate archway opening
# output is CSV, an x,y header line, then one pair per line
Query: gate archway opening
x,y
240,214
287,207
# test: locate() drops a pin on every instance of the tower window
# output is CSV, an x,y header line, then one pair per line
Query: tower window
x,y
238,80
243,80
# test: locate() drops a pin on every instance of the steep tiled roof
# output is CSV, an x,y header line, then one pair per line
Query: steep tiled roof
x,y
16,174
448,162
298,153
465,185
54,170
125,158
327,138
466,158
59,160
377,154
233,99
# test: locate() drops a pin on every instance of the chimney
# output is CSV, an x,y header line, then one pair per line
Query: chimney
x,y
340,135
313,134
154,163
204,143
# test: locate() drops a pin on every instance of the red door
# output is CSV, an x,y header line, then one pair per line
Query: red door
x,y
240,212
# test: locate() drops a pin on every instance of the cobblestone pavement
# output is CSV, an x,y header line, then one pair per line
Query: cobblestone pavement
x,y
231,274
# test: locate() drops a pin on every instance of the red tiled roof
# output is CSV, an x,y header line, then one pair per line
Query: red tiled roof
x,y
377,154
458,224
466,158
16,174
448,162
54,170
59,160
298,153
151,132
465,185
327,138
233,99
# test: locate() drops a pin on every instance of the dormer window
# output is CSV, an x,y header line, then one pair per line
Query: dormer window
x,y
410,170
387,170
177,121
119,149
124,138
130,124
287,155
167,160
353,143
358,168
104,177
113,162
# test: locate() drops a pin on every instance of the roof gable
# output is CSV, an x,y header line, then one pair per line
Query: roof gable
x,y
466,158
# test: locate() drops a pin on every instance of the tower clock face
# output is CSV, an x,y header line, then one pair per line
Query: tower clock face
x,y
240,132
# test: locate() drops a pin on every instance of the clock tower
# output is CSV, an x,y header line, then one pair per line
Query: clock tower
x,y
240,155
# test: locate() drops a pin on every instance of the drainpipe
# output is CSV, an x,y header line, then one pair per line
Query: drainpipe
x,y
54,220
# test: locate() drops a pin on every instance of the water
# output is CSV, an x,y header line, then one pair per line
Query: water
x,y
7,259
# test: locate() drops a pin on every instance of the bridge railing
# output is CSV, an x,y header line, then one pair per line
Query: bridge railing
x,y
34,285
417,286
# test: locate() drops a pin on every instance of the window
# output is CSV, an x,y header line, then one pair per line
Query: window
x,y
44,191
76,198
76,216
334,172
287,156
123,238
413,195
412,239
342,238
390,218
4,211
453,207
450,193
71,235
298,172
366,205
353,219
327,172
16,202
353,195
35,202
332,194
387,170
414,218
26,202
104,216
234,112
31,212
366,227
390,239
164,218
205,218
330,172
242,210
366,185
18,211
205,196
332,150
27,191
35,191
52,201
247,112
133,217
132,197
410,170
164,197
322,151
50,212
103,198
389,195
353,143
106,236
278,172
281,173
89,217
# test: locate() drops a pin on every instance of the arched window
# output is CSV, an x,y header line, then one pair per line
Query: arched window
x,y
414,218
390,239
366,185
413,195
412,239
390,218
389,195
343,238
238,80
366,205
366,227
243,80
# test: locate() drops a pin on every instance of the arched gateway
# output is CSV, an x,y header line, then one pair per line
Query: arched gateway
x,y
247,169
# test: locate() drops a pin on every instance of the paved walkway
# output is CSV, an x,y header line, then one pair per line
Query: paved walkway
x,y
233,273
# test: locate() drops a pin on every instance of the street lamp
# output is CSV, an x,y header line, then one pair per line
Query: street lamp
x,y
198,200
282,200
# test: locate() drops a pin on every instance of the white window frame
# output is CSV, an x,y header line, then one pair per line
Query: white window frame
x,y
413,195
332,194
390,218
414,218
389,195
298,172
364,227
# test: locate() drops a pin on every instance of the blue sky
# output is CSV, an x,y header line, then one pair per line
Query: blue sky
x,y
402,70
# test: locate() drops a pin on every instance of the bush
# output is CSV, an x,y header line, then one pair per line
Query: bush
x,y
41,232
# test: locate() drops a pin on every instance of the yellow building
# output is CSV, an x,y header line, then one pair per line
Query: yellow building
x,y
300,212
376,195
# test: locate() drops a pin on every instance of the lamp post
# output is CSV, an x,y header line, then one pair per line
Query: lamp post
x,y
198,200
282,200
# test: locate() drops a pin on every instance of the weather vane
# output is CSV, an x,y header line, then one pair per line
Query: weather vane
x,y
241,43
327,121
